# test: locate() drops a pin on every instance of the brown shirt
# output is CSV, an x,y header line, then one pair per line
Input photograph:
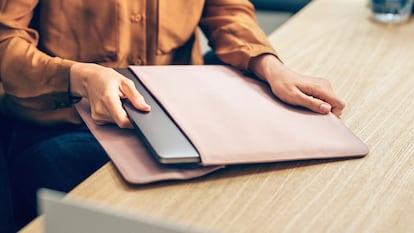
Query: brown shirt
x,y
40,40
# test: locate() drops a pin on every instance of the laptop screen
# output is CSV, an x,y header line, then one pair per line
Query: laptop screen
x,y
74,216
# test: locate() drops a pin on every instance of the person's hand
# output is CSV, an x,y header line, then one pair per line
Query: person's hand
x,y
104,87
296,89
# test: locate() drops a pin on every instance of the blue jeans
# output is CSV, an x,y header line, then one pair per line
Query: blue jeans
x,y
6,213
58,158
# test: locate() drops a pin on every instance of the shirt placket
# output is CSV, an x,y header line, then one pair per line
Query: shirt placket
x,y
152,30
138,54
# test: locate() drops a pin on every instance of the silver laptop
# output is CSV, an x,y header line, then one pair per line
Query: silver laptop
x,y
70,216
163,138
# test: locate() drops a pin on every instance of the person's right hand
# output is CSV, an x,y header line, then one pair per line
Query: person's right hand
x,y
104,87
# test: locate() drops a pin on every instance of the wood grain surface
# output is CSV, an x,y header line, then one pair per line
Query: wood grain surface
x,y
371,68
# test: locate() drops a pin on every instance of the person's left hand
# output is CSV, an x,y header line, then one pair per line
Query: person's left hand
x,y
296,89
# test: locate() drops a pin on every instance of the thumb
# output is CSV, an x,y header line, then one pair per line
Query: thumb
x,y
129,91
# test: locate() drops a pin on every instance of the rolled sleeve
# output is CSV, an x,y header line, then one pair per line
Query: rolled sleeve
x,y
233,32
33,81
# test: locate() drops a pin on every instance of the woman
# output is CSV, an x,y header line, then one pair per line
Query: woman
x,y
56,52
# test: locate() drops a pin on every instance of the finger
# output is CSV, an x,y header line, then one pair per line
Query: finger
x,y
101,122
99,113
110,113
129,91
118,114
338,110
330,98
311,103
324,92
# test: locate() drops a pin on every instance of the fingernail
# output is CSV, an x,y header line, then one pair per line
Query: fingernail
x,y
324,107
146,105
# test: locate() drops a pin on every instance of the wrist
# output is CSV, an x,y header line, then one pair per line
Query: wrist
x,y
266,67
78,78
74,89
72,98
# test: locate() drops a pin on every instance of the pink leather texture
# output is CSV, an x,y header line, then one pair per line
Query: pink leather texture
x,y
233,119
230,119
130,156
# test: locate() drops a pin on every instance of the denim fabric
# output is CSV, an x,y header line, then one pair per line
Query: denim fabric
x,y
57,158
6,214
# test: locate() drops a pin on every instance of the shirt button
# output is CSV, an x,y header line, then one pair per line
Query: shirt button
x,y
135,18
138,61
112,56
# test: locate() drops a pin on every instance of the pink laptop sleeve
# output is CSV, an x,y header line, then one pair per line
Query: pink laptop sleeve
x,y
130,156
233,119
230,119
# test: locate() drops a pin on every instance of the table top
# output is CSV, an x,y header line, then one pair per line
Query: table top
x,y
370,66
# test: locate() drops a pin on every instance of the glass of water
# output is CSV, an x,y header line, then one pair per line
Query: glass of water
x,y
391,11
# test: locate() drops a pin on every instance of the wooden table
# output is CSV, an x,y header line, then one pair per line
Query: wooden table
x,y
371,67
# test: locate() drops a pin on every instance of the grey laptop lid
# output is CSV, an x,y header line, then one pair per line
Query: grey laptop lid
x,y
70,216
163,138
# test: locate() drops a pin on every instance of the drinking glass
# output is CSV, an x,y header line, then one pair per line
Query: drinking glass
x,y
391,11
